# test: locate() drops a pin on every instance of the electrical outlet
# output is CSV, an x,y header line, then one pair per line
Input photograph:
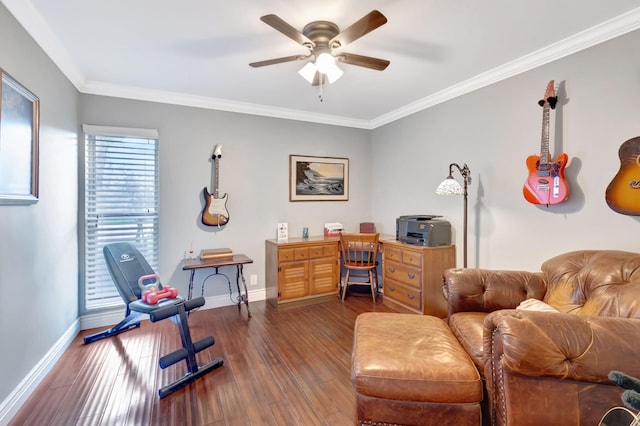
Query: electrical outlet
x,y
253,280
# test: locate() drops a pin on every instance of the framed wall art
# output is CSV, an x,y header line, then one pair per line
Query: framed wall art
x,y
19,132
318,178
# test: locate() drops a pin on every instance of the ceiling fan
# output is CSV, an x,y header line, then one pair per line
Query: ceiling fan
x,y
321,38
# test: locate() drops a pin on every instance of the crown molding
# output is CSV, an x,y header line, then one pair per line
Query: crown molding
x,y
175,98
600,33
36,26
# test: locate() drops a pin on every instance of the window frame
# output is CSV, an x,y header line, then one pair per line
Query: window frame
x,y
90,255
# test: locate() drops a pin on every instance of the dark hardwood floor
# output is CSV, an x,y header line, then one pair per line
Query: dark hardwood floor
x,y
288,367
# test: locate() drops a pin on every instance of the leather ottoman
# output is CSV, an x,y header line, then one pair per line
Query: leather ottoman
x,y
410,370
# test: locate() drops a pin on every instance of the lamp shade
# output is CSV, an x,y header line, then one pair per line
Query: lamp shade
x,y
449,186
334,73
308,72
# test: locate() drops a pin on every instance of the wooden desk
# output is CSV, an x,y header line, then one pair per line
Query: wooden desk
x,y
302,271
237,260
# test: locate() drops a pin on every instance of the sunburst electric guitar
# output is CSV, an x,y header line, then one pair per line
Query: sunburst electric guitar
x,y
623,193
215,210
545,183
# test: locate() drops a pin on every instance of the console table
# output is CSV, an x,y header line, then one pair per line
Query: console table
x,y
237,260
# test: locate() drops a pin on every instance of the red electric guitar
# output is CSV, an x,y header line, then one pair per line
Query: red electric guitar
x,y
545,183
215,210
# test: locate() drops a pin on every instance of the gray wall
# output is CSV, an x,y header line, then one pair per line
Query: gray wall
x,y
38,243
254,172
493,130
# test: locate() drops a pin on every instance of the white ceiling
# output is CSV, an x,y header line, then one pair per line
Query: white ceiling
x,y
196,52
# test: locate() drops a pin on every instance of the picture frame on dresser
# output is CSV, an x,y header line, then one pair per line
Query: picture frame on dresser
x,y
19,142
314,178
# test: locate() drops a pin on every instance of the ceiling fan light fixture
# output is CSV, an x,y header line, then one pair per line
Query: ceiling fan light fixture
x,y
326,64
308,72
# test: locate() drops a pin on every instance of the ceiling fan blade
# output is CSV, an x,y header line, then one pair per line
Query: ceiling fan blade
x,y
363,61
364,25
278,60
280,25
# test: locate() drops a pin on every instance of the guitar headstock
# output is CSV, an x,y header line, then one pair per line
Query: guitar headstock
x,y
549,96
217,152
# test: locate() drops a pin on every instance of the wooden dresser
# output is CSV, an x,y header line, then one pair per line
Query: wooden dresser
x,y
412,277
301,271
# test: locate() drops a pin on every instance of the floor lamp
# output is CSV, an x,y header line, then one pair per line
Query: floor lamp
x,y
450,186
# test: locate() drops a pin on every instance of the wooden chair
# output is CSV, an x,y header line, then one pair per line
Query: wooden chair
x,y
359,258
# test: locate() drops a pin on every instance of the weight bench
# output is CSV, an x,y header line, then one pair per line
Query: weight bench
x,y
128,268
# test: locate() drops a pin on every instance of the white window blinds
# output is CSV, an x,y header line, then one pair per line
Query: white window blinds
x,y
121,203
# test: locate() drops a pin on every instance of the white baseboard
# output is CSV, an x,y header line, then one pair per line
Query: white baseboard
x,y
10,406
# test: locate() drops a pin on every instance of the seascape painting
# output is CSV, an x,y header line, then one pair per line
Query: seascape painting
x,y
318,178
19,131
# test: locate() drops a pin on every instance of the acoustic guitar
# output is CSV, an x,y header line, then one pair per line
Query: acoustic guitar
x,y
620,416
623,193
546,183
215,210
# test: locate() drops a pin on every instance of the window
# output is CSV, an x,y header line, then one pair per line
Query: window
x,y
121,203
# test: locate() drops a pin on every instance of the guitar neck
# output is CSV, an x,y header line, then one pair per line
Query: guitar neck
x,y
215,186
544,142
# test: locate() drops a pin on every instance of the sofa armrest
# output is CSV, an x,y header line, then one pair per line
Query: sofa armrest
x,y
484,290
562,346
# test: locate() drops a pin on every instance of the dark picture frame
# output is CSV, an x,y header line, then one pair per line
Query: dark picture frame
x,y
314,178
19,142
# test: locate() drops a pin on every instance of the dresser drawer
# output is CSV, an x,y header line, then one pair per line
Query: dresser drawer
x,y
330,250
286,255
316,252
405,295
391,253
403,273
294,253
412,258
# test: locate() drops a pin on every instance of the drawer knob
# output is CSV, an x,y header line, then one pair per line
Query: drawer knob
x,y
411,296
412,276
392,288
391,269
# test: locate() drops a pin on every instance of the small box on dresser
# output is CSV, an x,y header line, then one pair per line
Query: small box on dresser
x,y
412,277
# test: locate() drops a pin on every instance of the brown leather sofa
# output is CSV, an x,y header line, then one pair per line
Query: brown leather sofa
x,y
550,368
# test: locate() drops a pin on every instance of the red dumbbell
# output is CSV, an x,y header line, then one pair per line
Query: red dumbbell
x,y
154,296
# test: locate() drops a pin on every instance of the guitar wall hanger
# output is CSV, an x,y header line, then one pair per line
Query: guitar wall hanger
x,y
552,100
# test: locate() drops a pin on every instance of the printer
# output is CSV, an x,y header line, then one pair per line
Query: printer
x,y
423,230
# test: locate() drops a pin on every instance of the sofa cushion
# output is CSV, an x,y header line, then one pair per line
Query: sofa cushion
x,y
594,282
467,327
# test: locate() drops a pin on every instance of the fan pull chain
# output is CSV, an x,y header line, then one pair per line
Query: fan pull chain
x,y
320,97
